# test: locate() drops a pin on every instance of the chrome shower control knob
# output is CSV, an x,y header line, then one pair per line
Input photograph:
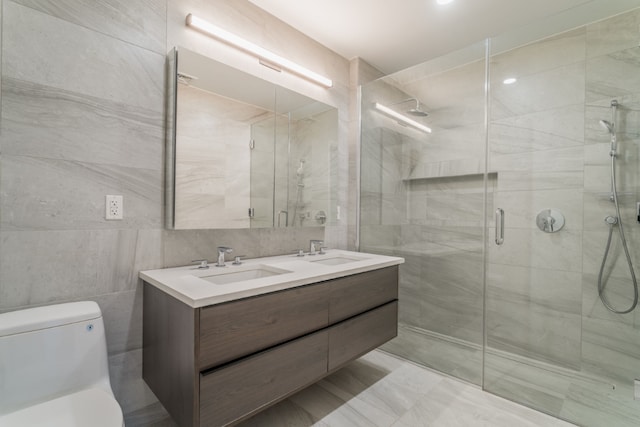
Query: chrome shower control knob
x,y
550,220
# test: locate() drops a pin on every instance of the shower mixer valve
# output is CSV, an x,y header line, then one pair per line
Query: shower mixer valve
x,y
550,220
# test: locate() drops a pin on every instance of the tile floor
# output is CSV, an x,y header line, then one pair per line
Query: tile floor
x,y
383,391
380,390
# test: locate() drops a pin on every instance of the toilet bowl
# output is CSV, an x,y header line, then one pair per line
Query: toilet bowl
x,y
54,368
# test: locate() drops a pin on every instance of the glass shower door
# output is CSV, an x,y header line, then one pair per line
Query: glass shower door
x,y
263,158
550,342
423,198
523,318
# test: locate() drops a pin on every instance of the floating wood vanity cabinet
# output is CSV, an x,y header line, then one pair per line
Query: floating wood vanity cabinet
x,y
217,365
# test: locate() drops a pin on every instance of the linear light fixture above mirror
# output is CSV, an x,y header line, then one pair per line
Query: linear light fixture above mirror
x,y
266,57
401,118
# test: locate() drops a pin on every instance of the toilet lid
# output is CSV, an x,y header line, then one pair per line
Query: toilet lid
x,y
92,407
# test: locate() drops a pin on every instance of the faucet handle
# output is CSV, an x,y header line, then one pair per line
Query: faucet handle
x,y
312,246
203,263
236,260
225,249
322,250
299,252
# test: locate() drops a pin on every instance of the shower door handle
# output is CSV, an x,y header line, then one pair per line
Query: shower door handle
x,y
499,226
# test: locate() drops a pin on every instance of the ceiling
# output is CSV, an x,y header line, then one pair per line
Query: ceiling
x,y
392,35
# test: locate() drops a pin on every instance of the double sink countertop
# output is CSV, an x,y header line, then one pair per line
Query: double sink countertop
x,y
201,287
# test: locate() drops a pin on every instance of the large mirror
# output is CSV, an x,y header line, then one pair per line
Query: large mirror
x,y
243,152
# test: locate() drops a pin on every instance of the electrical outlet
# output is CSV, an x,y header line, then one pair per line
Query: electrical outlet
x,y
114,208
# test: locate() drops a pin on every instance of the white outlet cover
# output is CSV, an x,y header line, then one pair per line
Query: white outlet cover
x,y
114,209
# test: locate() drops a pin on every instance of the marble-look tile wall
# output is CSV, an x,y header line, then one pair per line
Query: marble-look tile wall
x,y
312,140
423,198
281,163
382,192
361,73
213,159
537,127
268,136
83,116
551,342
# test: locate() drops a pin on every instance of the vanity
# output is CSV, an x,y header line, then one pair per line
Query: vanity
x,y
223,343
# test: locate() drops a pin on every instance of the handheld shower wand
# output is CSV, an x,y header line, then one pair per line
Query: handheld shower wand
x,y
612,221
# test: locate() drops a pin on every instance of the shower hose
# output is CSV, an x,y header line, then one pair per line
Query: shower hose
x,y
611,222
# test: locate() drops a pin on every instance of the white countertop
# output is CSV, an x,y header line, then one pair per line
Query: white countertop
x,y
193,286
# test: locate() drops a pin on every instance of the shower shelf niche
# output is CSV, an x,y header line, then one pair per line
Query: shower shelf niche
x,y
451,175
448,169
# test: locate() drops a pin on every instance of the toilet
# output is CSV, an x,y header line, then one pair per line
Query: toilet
x,y
54,370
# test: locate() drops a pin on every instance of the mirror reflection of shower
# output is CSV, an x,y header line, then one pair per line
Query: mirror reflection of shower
x,y
299,188
615,221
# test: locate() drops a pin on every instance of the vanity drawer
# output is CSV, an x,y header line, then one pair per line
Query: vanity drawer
x,y
355,294
232,330
357,336
247,386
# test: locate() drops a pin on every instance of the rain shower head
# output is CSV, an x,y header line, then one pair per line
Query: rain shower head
x,y
416,111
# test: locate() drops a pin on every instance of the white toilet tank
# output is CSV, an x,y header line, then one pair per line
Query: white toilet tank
x,y
49,352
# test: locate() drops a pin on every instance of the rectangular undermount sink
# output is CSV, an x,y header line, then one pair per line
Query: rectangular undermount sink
x,y
254,272
336,260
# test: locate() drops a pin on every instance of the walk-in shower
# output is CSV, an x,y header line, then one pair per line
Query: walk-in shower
x,y
615,221
522,319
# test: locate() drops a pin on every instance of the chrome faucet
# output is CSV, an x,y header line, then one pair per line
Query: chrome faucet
x,y
222,250
315,245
